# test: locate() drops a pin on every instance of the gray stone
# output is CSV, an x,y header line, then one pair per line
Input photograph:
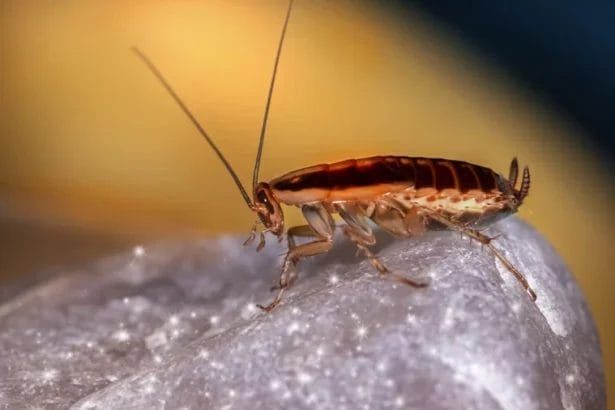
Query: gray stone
x,y
174,325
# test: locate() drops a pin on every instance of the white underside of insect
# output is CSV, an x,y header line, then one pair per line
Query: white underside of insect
x,y
404,196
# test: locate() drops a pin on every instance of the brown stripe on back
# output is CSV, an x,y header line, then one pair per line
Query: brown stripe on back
x,y
467,179
424,173
348,174
411,171
445,179
486,178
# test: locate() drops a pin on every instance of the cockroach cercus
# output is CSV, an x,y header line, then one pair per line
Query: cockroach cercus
x,y
404,196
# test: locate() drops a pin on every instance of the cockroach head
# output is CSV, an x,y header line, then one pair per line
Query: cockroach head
x,y
268,208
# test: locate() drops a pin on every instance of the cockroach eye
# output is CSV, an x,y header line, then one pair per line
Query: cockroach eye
x,y
262,198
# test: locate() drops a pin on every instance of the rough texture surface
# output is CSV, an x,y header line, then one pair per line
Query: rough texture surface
x,y
175,326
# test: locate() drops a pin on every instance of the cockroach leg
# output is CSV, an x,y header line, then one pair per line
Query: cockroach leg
x,y
389,216
402,225
487,242
261,242
321,225
288,275
252,235
296,231
304,231
363,242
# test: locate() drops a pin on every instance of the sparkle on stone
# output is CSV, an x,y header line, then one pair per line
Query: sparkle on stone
x,y
292,328
410,319
274,384
121,335
516,307
174,320
138,251
249,311
49,375
214,320
304,378
361,331
334,279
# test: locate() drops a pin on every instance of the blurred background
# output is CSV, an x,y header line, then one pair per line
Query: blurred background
x,y
96,158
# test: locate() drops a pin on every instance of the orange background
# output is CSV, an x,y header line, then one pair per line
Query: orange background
x,y
96,157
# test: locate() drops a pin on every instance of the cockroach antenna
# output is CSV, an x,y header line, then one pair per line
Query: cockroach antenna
x,y
200,128
196,123
259,151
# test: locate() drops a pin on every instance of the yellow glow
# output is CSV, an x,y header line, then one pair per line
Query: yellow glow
x,y
91,139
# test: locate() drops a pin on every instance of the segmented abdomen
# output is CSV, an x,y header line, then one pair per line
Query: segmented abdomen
x,y
357,179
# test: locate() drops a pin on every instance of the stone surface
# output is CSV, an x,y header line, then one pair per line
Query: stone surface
x,y
174,325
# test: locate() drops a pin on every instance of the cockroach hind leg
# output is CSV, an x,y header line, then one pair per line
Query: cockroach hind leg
x,y
486,241
517,274
385,271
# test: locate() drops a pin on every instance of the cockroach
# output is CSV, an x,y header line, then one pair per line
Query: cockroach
x,y
404,196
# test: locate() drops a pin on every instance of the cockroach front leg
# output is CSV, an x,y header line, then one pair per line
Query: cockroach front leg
x,y
485,241
296,231
321,226
252,236
288,275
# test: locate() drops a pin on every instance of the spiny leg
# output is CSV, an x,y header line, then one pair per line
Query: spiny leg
x,y
391,219
485,241
321,226
287,276
303,231
363,241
